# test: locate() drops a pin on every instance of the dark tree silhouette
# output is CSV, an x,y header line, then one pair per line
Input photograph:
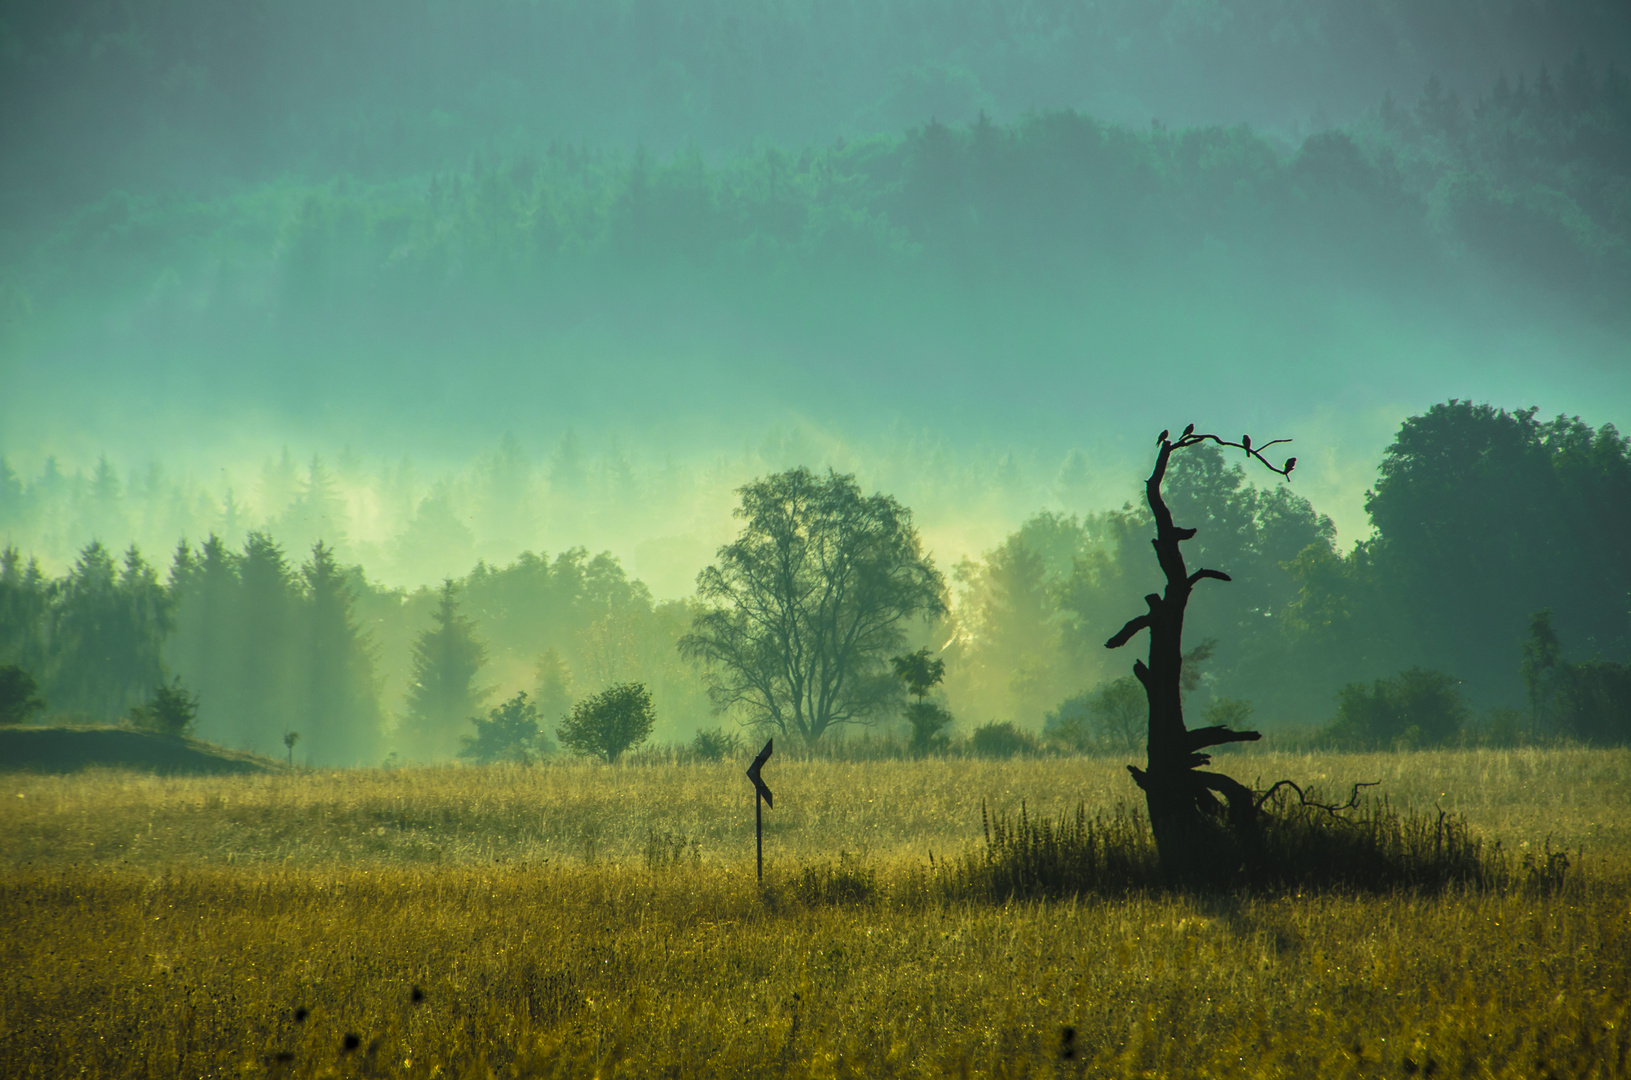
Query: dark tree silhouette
x,y
1198,837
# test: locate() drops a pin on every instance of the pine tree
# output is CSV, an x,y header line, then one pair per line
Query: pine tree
x,y
553,697
266,671
25,604
341,716
109,624
443,696
206,649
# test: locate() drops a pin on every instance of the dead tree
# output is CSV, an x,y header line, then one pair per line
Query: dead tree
x,y
1206,824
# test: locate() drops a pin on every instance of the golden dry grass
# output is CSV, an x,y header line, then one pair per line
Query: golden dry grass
x,y
172,927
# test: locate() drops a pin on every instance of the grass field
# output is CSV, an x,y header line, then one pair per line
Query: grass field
x,y
586,920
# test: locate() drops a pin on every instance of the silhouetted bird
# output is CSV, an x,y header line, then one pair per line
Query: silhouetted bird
x,y
1188,431
1163,436
1246,443
1291,463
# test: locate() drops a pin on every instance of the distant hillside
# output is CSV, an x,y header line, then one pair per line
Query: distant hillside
x,y
69,749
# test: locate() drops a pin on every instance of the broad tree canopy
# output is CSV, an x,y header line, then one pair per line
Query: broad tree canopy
x,y
805,607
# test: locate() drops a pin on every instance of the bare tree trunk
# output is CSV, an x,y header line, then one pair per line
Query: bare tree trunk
x,y
1200,837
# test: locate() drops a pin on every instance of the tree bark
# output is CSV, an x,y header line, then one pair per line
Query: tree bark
x,y
1201,838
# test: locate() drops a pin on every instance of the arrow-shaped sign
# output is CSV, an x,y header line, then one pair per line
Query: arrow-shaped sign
x,y
753,773
761,799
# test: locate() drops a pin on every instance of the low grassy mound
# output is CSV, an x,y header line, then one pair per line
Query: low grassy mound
x,y
71,749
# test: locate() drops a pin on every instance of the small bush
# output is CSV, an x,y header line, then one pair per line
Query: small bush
x,y
1000,740
19,695
169,710
1594,702
510,733
1415,708
610,722
1071,726
716,744
927,720
1114,716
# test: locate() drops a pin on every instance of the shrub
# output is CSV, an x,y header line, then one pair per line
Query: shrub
x,y
609,722
510,733
716,744
19,695
1002,740
1303,844
1232,713
1415,708
1594,702
1071,726
169,710
1115,715
928,720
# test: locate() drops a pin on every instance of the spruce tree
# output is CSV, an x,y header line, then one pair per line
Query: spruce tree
x,y
266,666
206,649
108,629
443,696
341,710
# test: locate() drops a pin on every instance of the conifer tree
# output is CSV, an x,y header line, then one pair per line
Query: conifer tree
x,y
108,629
341,708
443,695
206,649
265,663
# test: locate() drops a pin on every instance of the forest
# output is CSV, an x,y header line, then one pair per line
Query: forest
x,y
1398,641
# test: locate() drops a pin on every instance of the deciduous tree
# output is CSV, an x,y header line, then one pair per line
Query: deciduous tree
x,y
805,607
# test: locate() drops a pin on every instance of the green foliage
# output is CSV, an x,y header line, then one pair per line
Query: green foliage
x,y
1484,517
553,679
1070,726
1594,702
1114,715
1000,741
610,722
716,744
271,646
1542,656
107,626
509,733
168,710
443,694
1232,713
928,721
1416,708
805,607
920,673
19,695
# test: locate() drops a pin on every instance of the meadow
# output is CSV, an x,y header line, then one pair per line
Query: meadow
x,y
577,919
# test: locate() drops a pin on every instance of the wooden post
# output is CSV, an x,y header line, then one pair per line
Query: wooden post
x,y
761,799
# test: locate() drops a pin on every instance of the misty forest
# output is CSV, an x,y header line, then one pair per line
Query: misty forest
x,y
444,442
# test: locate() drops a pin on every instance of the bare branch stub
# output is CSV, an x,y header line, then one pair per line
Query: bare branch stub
x,y
1188,819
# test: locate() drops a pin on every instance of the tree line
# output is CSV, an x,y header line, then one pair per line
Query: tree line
x,y
1528,180
181,92
1491,590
